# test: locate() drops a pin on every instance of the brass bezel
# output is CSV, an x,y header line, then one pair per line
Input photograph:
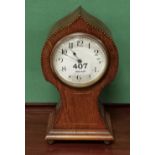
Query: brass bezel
x,y
68,37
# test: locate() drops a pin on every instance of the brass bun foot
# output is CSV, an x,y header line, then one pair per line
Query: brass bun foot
x,y
50,142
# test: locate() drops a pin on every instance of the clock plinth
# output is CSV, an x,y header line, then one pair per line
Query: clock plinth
x,y
102,134
79,117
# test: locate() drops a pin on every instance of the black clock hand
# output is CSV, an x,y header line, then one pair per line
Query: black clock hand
x,y
78,59
70,57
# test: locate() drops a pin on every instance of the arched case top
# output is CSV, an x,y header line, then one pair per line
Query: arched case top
x,y
80,21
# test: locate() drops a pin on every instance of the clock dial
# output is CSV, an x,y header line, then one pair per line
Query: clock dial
x,y
79,59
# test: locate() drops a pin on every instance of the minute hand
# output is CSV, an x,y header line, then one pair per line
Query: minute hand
x,y
70,57
74,53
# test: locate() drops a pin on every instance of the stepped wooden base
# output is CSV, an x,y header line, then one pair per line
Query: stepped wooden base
x,y
79,134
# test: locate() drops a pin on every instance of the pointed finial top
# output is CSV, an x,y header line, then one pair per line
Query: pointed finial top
x,y
80,13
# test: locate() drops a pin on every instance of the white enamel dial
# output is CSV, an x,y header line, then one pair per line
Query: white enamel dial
x,y
79,59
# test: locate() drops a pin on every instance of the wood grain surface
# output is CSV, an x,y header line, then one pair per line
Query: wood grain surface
x,y
36,123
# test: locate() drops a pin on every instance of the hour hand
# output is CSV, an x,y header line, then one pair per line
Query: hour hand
x,y
78,59
69,56
74,53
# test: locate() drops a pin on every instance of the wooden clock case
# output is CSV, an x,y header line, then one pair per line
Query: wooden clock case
x,y
78,116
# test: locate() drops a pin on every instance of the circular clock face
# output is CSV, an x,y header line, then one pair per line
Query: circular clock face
x,y
79,59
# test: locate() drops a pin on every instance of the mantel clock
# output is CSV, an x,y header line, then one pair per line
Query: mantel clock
x,y
80,59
